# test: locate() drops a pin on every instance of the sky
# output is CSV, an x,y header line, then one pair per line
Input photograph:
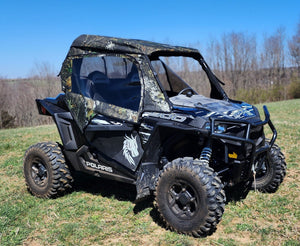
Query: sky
x,y
41,31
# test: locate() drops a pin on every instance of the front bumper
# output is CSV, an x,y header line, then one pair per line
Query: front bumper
x,y
250,145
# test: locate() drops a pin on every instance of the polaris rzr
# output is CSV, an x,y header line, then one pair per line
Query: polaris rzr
x,y
128,114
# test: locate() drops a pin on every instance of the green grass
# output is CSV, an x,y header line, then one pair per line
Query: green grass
x,y
101,212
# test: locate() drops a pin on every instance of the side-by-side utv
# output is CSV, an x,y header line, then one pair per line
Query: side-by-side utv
x,y
128,114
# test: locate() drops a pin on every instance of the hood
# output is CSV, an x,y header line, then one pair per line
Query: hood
x,y
199,105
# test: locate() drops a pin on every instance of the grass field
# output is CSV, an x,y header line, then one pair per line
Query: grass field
x,y
101,212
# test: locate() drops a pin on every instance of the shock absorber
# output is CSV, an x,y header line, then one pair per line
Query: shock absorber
x,y
205,155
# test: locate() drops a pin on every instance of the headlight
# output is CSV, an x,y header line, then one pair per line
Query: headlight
x,y
218,128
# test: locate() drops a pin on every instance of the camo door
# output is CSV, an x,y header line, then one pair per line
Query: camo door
x,y
111,85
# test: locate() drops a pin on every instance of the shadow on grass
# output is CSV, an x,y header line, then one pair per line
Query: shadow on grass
x,y
115,190
104,187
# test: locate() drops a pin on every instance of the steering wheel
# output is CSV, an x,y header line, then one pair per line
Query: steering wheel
x,y
187,89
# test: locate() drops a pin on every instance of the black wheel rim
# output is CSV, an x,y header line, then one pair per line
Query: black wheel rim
x,y
39,172
183,200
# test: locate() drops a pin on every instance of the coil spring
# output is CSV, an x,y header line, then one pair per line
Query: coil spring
x,y
205,155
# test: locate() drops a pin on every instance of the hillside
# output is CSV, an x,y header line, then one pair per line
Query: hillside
x,y
101,212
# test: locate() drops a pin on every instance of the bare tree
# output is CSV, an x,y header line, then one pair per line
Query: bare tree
x,y
294,49
3,95
233,59
273,56
44,74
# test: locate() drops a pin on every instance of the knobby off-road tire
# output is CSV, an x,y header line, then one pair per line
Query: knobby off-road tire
x,y
190,197
45,170
274,169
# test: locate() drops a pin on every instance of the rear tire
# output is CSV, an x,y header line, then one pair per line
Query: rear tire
x,y
272,171
45,170
189,197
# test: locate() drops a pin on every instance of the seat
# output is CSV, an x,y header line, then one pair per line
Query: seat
x,y
96,85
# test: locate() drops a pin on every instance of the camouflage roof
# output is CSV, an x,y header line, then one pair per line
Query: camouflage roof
x,y
94,42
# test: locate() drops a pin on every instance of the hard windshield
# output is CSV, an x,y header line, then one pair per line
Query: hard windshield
x,y
179,73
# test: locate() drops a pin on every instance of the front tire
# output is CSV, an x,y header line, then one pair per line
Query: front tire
x,y
45,170
190,197
271,172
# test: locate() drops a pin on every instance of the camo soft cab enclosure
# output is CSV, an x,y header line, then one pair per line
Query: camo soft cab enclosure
x,y
108,53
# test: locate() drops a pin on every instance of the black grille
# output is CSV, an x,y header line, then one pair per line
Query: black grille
x,y
256,133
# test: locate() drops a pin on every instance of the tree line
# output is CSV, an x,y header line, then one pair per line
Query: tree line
x,y
270,73
253,74
17,97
